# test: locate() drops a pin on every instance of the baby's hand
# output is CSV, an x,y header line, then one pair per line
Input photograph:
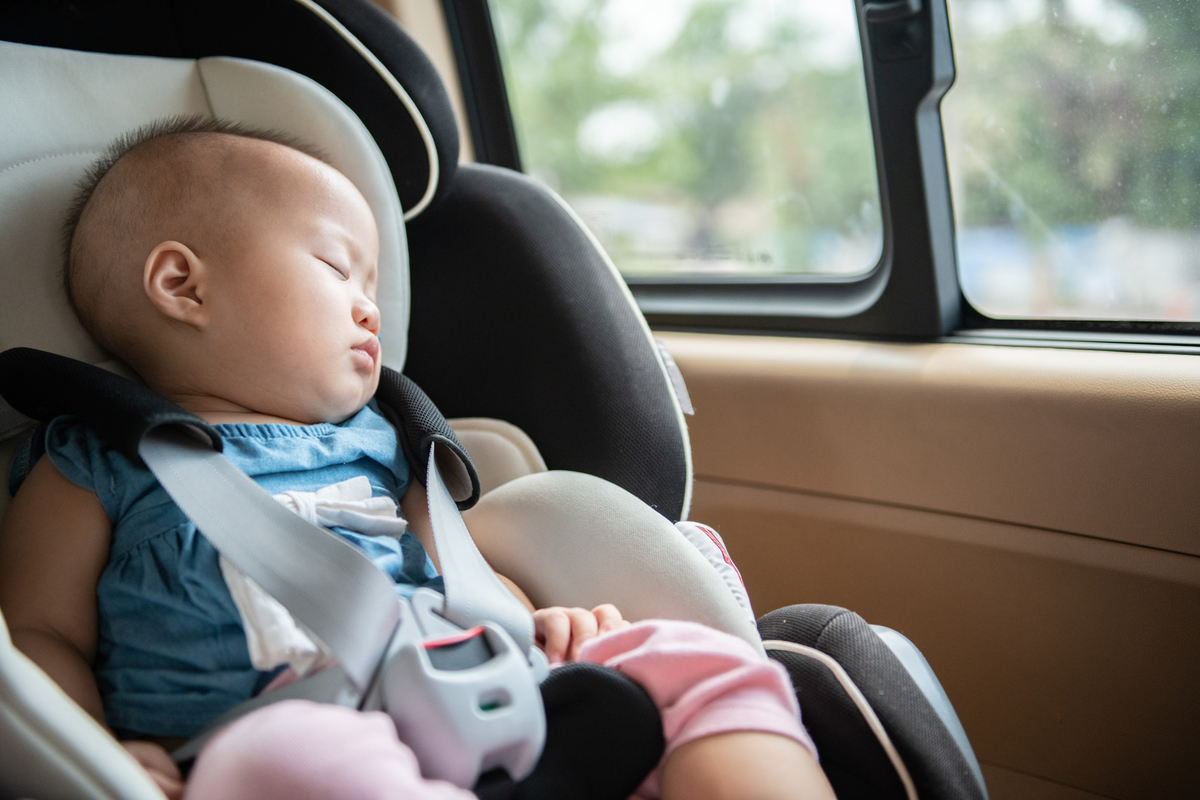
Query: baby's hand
x,y
155,760
562,631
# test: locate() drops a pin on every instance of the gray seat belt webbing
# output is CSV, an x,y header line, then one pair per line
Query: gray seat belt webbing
x,y
327,686
325,582
473,592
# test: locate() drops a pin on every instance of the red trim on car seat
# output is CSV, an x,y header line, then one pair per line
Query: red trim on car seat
x,y
470,633
711,534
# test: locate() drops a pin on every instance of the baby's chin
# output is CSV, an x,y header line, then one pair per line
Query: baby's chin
x,y
342,416
307,402
332,413
341,409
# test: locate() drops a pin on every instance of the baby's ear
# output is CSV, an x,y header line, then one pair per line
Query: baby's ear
x,y
173,279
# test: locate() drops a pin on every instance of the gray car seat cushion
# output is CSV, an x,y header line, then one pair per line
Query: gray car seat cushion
x,y
351,47
50,749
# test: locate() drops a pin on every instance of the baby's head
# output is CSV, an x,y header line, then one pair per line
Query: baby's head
x,y
231,269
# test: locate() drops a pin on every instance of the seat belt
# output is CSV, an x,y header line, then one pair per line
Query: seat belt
x,y
473,592
323,581
342,597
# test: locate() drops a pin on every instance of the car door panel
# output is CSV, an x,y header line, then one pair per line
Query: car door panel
x,y
1027,516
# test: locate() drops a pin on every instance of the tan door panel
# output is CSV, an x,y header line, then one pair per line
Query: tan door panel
x,y
976,499
1060,664
1098,443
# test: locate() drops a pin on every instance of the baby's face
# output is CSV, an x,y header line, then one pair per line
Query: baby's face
x,y
294,319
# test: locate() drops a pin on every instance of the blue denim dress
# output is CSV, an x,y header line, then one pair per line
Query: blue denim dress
x,y
171,654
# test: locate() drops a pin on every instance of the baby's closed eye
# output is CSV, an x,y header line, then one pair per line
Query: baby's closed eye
x,y
342,272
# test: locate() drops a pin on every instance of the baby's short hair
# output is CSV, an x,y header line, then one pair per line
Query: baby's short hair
x,y
130,143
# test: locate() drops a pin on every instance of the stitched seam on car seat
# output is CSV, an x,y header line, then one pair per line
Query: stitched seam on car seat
x,y
623,289
212,112
48,157
825,627
401,93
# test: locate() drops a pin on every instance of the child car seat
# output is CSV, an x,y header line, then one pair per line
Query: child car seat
x,y
516,313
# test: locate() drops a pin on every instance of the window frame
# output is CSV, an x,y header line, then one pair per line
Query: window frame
x,y
913,292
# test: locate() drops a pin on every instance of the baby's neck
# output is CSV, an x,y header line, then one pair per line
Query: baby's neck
x,y
218,411
244,418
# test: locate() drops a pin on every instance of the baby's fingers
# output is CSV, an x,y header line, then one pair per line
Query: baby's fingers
x,y
608,618
583,627
169,785
159,766
552,627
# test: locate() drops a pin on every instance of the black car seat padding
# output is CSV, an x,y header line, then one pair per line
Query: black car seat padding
x,y
419,426
289,33
45,385
851,755
546,338
590,710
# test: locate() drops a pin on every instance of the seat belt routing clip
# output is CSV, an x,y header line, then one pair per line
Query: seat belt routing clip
x,y
465,701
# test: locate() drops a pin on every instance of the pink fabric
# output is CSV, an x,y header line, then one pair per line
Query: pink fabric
x,y
703,682
298,750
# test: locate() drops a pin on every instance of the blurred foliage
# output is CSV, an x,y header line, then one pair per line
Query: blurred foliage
x,y
1064,113
1052,125
730,127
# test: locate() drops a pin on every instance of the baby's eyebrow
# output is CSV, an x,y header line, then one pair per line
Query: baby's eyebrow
x,y
342,235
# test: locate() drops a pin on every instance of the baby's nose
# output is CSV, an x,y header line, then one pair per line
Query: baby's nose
x,y
366,315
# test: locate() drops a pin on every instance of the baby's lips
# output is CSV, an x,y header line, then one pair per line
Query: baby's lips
x,y
370,347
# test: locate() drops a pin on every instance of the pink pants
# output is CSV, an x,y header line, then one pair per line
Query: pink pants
x,y
703,682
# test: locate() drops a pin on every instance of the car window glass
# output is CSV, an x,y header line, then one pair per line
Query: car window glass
x,y
1071,135
700,137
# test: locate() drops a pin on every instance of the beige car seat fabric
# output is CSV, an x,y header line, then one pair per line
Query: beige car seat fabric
x,y
500,451
62,108
582,556
606,547
50,749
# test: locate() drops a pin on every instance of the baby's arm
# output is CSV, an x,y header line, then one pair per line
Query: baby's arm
x,y
560,631
53,546
415,507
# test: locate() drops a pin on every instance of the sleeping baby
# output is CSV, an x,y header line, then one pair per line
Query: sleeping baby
x,y
235,272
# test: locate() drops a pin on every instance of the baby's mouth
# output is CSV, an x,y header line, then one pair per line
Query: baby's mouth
x,y
369,351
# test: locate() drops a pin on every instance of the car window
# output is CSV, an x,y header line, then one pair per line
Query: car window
x,y
1071,134
700,137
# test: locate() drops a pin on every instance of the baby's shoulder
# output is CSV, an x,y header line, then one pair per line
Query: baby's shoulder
x,y
88,461
69,435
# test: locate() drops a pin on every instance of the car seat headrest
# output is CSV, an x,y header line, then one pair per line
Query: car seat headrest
x,y
59,110
351,47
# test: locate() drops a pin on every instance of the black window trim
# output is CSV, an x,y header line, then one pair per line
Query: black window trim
x,y
485,96
913,292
